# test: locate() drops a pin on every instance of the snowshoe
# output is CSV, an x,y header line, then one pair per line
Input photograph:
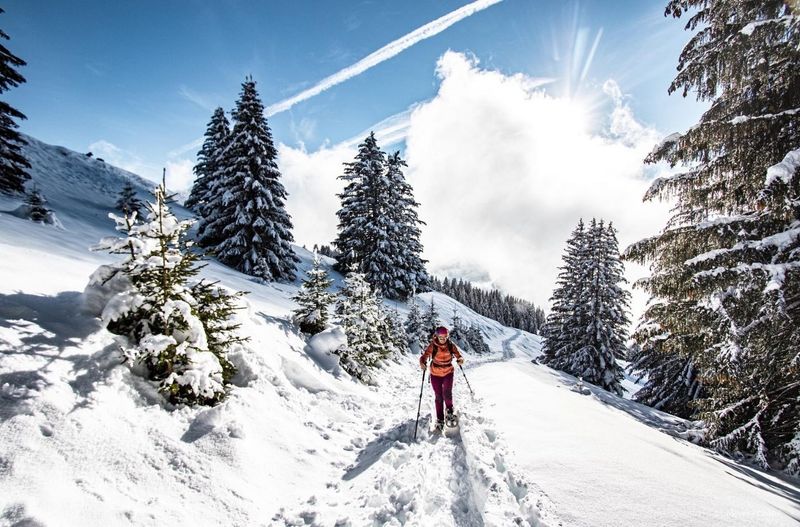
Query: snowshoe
x,y
451,419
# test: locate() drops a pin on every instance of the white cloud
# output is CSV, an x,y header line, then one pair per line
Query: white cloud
x,y
179,175
388,132
310,180
304,130
503,172
385,53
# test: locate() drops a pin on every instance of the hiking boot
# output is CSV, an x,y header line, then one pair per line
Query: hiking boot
x,y
439,425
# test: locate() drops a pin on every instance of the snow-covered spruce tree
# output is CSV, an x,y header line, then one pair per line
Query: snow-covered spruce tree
x,y
313,299
606,333
252,223
410,275
378,224
590,333
564,324
179,330
475,340
127,202
458,333
395,332
416,333
37,206
430,321
360,315
364,225
725,269
13,165
207,169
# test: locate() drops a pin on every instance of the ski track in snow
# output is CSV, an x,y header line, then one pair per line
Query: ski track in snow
x,y
460,478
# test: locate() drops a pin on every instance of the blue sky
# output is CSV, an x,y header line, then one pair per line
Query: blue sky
x,y
515,120
145,75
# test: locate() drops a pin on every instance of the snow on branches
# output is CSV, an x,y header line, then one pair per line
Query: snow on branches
x,y
178,329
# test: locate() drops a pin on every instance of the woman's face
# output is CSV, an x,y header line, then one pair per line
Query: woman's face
x,y
441,338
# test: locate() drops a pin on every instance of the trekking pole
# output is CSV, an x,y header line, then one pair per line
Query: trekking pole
x,y
419,406
465,378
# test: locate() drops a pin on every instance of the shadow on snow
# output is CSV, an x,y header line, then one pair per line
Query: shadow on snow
x,y
46,326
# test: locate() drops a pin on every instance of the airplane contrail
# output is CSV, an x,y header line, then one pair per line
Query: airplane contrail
x,y
386,52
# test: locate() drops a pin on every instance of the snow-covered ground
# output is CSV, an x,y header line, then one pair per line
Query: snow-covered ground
x,y
85,442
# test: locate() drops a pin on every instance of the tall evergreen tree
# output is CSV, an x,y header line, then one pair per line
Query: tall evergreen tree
x,y
608,321
127,202
378,223
724,276
588,326
363,223
564,325
313,299
409,267
13,165
207,170
253,225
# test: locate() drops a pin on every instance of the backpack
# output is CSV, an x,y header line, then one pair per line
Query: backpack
x,y
450,346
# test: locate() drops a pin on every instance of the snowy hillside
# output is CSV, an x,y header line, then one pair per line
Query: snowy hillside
x,y
85,442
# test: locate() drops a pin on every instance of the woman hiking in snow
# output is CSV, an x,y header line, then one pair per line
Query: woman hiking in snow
x,y
441,352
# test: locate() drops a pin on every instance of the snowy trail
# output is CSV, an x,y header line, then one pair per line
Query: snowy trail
x,y
463,480
508,353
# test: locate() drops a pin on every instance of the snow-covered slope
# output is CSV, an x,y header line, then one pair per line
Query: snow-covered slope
x,y
85,442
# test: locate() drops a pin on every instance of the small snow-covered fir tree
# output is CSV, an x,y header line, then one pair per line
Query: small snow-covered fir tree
x,y
249,217
208,170
430,321
458,333
313,299
476,340
395,332
127,202
417,335
37,207
470,338
178,330
13,165
359,313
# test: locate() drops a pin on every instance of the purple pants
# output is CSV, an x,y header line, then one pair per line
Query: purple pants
x,y
443,389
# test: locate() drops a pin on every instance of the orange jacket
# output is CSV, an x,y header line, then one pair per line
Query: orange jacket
x,y
442,357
